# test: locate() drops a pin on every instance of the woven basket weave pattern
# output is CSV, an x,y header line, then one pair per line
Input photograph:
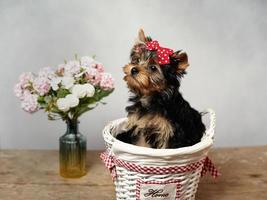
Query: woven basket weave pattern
x,y
126,180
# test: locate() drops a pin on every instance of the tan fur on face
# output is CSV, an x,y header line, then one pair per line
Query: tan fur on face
x,y
145,82
160,126
138,84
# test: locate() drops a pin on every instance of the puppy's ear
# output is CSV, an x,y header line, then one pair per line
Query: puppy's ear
x,y
182,59
141,36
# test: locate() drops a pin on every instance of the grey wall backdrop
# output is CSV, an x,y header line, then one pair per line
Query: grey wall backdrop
x,y
225,41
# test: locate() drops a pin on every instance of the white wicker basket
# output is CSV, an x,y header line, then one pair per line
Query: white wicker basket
x,y
146,173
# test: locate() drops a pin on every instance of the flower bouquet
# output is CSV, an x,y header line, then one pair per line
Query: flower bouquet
x,y
74,88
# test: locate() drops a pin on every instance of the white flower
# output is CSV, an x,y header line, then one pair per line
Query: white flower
x,y
67,82
54,83
79,91
72,100
83,71
90,89
87,61
63,105
72,67
46,73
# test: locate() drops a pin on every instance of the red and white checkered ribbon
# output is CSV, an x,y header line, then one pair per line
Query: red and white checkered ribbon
x,y
209,167
110,162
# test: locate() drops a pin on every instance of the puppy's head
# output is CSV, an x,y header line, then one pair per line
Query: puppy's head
x,y
145,75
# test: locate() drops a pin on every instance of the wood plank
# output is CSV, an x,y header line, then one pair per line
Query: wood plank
x,y
55,192
244,175
41,167
33,174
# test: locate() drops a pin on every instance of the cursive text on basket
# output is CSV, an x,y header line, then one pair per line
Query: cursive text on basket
x,y
156,193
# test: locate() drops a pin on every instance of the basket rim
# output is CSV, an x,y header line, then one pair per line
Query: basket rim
x,y
119,146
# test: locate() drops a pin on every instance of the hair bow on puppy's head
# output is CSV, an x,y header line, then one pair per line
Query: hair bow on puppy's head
x,y
162,53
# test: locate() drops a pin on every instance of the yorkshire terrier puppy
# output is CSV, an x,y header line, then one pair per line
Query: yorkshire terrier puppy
x,y
159,117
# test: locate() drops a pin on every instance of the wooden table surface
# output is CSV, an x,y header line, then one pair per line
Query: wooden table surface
x,y
33,174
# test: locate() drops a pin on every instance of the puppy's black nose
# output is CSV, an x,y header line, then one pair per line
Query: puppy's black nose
x,y
134,71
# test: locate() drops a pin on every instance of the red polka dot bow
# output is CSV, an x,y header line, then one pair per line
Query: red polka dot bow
x,y
162,53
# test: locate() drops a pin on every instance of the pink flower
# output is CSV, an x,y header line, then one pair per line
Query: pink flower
x,y
18,91
107,82
25,79
93,76
29,103
41,85
99,67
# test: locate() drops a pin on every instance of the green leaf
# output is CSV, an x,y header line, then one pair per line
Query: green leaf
x,y
76,56
82,81
51,116
48,98
61,93
100,94
42,102
55,110
83,110
41,99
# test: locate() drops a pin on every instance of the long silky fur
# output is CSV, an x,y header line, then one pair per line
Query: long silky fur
x,y
168,103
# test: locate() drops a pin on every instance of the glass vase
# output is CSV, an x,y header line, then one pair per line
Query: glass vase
x,y
72,151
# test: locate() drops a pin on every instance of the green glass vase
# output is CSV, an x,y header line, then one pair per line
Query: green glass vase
x,y
72,151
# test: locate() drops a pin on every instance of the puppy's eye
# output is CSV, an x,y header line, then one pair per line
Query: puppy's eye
x,y
153,68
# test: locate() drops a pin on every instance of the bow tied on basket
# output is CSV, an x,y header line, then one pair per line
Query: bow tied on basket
x,y
108,160
208,166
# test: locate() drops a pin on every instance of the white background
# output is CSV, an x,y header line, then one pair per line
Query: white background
x,y
225,41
